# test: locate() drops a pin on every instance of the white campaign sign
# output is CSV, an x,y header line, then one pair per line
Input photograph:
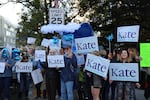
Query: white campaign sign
x,y
97,65
31,40
86,45
45,42
24,67
37,76
55,61
124,72
2,67
56,16
40,55
128,33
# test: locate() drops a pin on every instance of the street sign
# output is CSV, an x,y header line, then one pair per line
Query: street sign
x,y
56,16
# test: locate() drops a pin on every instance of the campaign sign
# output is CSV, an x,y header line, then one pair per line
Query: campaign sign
x,y
80,59
40,55
86,45
55,61
128,33
36,76
145,54
56,16
97,65
45,42
31,40
24,67
124,72
2,67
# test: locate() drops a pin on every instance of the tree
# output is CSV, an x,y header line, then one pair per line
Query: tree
x,y
37,15
34,16
106,15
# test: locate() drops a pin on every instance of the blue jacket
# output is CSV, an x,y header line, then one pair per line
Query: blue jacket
x,y
7,71
68,72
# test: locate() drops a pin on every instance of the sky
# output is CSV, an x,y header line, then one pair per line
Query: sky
x,y
11,11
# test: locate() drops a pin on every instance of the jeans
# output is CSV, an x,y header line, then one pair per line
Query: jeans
x,y
66,90
125,90
4,86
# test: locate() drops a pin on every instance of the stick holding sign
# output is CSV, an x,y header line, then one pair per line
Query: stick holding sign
x,y
109,38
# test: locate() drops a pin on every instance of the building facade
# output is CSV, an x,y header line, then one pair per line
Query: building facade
x,y
7,34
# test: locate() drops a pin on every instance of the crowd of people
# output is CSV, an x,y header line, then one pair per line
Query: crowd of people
x,y
72,82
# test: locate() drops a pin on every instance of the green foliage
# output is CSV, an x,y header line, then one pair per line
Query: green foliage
x,y
31,22
110,14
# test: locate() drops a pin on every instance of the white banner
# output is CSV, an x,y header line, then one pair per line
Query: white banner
x,y
97,65
40,55
86,45
31,40
124,72
55,61
128,33
24,67
56,16
2,67
37,76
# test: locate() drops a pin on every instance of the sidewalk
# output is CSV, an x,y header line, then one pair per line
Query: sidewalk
x,y
139,95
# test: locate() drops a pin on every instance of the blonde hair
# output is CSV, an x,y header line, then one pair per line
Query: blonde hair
x,y
53,52
133,56
100,53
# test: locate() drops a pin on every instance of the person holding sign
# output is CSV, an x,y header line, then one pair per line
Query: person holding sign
x,y
24,78
52,75
6,75
67,73
97,81
125,90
